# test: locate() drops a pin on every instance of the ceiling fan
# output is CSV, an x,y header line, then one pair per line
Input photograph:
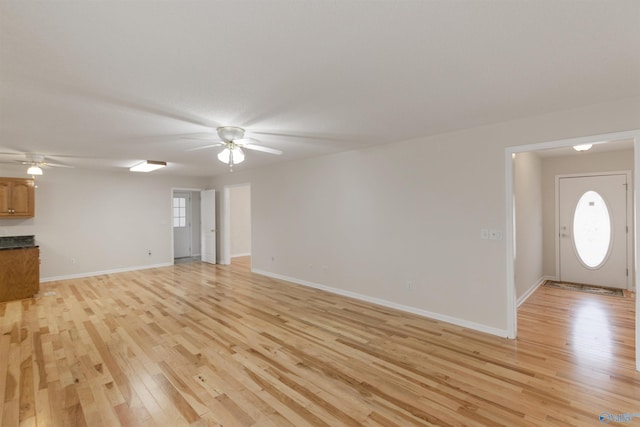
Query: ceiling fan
x,y
234,141
35,161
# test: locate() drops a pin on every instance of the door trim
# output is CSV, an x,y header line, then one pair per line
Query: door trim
x,y
225,222
189,218
630,224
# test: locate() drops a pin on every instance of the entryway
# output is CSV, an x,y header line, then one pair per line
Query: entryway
x,y
535,262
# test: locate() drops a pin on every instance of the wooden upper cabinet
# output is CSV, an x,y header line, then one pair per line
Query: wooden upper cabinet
x,y
17,198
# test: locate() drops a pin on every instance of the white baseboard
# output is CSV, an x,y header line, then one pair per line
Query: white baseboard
x,y
424,313
98,273
532,289
239,255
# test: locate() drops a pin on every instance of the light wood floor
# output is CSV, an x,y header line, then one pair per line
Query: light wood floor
x,y
196,344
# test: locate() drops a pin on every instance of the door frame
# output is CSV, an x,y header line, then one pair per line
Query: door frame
x,y
629,213
225,222
509,153
189,212
191,190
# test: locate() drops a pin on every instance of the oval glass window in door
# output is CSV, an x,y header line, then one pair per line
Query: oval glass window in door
x,y
592,229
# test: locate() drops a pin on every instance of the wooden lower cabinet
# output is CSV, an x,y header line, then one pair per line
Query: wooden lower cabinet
x,y
19,273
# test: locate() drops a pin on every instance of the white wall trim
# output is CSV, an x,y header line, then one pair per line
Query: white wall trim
x,y
510,240
239,255
593,139
224,257
424,313
532,289
636,230
225,223
99,273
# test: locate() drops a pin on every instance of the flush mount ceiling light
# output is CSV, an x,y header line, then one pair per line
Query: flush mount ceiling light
x,y
582,147
148,166
34,170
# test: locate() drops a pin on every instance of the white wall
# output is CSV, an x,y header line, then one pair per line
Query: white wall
x,y
240,201
580,163
92,221
527,176
365,222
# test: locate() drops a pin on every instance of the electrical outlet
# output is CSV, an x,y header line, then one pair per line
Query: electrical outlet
x,y
484,234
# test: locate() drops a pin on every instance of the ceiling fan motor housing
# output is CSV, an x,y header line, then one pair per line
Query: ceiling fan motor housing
x,y
230,133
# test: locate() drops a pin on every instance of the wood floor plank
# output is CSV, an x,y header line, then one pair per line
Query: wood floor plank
x,y
202,345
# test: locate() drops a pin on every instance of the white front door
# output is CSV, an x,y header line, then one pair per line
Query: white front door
x,y
593,230
181,224
208,212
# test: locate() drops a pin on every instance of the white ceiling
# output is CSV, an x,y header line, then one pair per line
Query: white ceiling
x,y
106,84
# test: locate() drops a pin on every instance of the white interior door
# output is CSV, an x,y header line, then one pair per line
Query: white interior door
x,y
208,218
181,224
593,230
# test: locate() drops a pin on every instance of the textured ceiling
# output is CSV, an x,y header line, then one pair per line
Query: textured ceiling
x,y
107,84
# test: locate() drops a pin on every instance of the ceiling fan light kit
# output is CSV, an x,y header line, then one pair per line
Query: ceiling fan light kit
x,y
231,155
233,141
148,166
34,170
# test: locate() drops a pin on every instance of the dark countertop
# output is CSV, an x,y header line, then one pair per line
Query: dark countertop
x,y
17,242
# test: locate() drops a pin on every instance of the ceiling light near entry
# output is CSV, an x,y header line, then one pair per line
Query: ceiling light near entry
x,y
34,170
148,166
582,147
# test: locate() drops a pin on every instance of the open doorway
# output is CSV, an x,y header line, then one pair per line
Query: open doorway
x,y
235,222
532,224
186,225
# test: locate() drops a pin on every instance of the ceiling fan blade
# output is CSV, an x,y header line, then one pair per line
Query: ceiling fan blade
x,y
243,141
218,144
199,136
261,148
57,165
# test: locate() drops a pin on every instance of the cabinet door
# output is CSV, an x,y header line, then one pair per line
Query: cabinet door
x,y
5,197
19,273
22,198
